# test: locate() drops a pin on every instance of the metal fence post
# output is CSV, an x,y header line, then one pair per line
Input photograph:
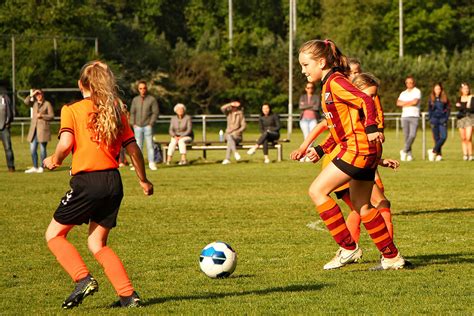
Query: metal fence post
x,y
204,136
22,131
423,143
453,119
397,128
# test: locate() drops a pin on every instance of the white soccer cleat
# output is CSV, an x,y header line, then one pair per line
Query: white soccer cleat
x,y
225,161
31,170
237,156
431,155
395,263
344,257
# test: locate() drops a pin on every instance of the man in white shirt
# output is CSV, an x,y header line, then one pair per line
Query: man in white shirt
x,y
409,101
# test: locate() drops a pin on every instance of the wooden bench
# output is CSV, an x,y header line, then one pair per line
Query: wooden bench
x,y
204,146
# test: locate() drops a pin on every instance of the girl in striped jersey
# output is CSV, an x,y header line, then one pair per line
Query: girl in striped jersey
x,y
369,85
356,142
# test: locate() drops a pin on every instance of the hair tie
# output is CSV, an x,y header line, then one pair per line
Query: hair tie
x,y
326,42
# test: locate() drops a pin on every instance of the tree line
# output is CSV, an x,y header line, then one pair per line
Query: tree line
x,y
181,47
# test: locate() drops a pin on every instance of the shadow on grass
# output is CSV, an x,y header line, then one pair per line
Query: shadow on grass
x,y
443,211
448,258
205,296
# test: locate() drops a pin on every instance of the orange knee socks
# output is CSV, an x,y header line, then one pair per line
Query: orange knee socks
x,y
377,229
387,217
115,271
332,216
68,257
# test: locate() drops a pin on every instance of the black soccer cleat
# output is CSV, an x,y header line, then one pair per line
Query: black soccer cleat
x,y
130,301
85,287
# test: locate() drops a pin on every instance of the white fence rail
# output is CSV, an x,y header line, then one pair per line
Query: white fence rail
x,y
204,119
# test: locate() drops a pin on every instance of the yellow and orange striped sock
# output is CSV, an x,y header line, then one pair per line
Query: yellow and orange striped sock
x,y
332,216
377,229
387,217
68,257
115,271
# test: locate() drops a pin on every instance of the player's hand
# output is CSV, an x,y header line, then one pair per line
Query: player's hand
x,y
49,163
374,137
390,163
147,187
312,155
298,154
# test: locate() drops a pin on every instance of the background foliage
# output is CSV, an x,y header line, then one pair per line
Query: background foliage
x,y
181,46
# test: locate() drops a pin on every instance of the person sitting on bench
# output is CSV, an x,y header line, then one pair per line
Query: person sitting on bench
x,y
269,124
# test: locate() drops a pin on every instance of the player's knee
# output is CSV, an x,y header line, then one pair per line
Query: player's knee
x,y
94,245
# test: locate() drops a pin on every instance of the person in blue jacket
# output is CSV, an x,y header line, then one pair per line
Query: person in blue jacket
x,y
438,114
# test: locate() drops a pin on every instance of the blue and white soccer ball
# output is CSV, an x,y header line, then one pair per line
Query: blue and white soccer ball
x,y
218,260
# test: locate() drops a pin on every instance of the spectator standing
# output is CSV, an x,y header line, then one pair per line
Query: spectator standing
x,y
309,106
269,125
40,132
438,114
465,116
144,112
409,101
7,114
235,127
181,132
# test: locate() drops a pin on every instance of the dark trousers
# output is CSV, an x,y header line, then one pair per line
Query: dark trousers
x,y
7,145
440,133
267,137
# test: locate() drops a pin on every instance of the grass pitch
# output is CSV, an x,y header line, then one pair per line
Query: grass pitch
x,y
264,212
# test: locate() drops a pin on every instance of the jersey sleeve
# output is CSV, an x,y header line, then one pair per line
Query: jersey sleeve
x,y
67,121
380,114
127,134
343,90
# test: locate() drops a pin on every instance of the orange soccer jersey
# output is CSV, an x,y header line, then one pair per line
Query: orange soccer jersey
x,y
87,154
350,115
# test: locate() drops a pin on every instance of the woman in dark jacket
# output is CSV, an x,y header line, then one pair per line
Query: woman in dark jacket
x,y
438,113
269,124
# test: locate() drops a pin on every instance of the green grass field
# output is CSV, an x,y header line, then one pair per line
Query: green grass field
x,y
264,212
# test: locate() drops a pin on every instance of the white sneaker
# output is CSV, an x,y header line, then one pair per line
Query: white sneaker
x,y
431,155
470,158
465,158
237,156
403,155
393,263
266,160
251,151
409,157
132,168
39,170
152,166
439,158
225,161
343,257
31,170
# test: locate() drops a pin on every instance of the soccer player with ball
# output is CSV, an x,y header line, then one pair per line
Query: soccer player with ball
x,y
357,147
94,130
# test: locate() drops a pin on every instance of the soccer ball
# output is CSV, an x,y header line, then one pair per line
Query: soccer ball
x,y
218,260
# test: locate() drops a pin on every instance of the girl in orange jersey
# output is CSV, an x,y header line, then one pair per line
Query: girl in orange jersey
x,y
369,85
354,136
94,129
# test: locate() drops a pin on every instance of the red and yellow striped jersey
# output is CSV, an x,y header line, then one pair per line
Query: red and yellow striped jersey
x,y
380,115
350,115
87,154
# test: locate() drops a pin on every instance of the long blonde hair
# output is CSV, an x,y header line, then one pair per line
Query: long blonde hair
x,y
105,122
